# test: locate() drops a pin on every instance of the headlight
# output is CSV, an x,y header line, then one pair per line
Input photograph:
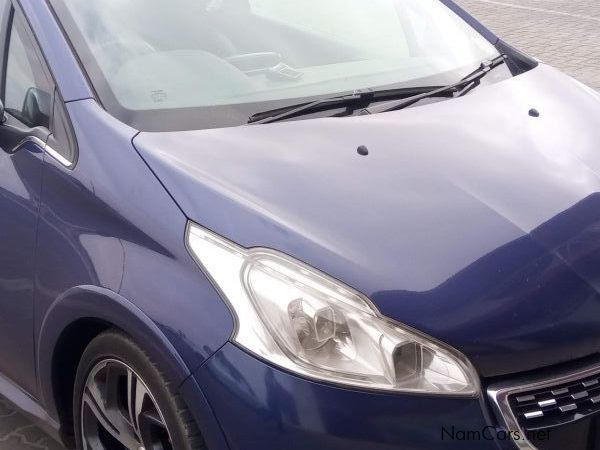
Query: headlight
x,y
304,321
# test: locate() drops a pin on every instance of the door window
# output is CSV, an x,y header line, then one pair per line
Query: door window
x,y
3,7
28,92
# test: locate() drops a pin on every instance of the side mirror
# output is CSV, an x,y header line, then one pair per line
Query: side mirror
x,y
2,113
36,107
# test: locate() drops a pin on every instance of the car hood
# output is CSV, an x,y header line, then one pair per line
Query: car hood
x,y
469,219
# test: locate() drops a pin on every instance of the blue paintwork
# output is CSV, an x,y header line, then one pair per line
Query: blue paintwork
x,y
109,223
469,220
204,415
20,189
296,414
90,301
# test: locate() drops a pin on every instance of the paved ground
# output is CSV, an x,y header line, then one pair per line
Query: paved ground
x,y
564,33
16,433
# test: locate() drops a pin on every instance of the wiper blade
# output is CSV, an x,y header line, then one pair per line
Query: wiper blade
x,y
359,99
458,89
304,108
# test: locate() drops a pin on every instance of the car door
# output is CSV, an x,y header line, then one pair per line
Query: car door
x,y
27,93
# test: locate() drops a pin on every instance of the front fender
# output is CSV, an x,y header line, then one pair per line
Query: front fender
x,y
91,302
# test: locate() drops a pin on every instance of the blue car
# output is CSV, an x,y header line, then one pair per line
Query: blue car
x,y
294,224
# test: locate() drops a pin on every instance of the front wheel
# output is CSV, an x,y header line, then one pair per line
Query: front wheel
x,y
123,402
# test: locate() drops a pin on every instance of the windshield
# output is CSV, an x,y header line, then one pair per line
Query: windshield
x,y
207,63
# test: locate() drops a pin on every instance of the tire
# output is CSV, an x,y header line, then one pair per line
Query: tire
x,y
123,401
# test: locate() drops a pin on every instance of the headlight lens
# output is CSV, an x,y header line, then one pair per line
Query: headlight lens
x,y
302,320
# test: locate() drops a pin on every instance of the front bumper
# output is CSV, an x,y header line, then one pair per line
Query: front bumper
x,y
260,407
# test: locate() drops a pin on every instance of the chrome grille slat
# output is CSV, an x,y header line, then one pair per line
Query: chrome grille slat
x,y
579,395
546,403
560,394
525,398
568,408
533,414
555,405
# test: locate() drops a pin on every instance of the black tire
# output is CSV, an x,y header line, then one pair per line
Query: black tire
x,y
110,353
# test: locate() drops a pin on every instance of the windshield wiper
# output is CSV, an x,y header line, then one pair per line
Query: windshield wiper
x,y
352,102
363,98
462,87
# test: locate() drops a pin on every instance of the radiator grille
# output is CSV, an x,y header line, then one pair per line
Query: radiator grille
x,y
557,405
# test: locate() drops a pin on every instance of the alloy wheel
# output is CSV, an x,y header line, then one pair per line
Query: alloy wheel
x,y
118,411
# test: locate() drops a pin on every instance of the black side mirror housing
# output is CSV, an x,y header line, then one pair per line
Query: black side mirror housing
x,y
36,107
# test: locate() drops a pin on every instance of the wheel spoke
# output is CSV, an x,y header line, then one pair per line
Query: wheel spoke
x,y
95,399
140,398
154,431
99,413
112,375
136,398
131,390
152,418
118,433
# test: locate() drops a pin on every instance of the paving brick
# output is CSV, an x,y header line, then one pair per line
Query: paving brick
x,y
17,433
563,33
